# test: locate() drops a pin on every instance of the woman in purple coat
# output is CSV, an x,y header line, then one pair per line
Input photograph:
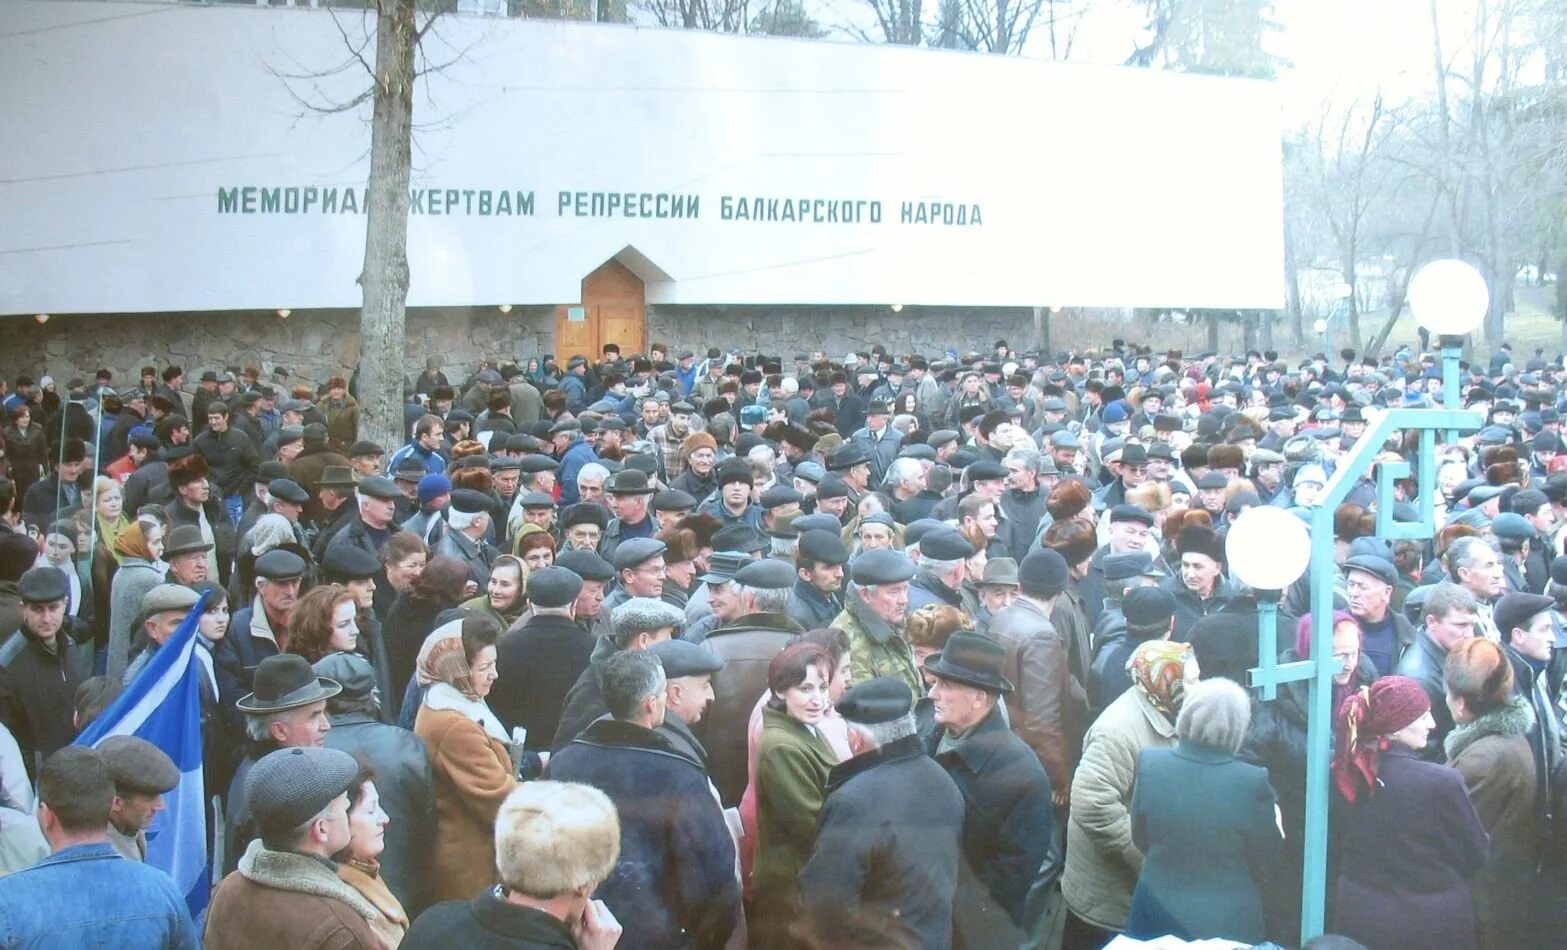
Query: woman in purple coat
x,y
1409,838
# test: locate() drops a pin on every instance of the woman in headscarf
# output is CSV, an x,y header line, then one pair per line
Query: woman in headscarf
x,y
470,754
1102,862
1409,838
109,513
139,549
505,597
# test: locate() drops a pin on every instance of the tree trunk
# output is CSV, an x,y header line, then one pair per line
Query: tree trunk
x,y
1213,331
1266,318
1292,291
1042,330
1249,330
384,280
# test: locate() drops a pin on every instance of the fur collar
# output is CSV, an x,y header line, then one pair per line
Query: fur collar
x,y
1512,719
302,874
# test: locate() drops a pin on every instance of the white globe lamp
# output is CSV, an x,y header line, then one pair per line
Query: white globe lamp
x,y
1448,297
1267,548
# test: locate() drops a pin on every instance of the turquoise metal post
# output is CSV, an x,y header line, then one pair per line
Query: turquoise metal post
x,y
1452,352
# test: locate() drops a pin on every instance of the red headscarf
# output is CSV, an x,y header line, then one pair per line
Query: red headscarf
x,y
1366,719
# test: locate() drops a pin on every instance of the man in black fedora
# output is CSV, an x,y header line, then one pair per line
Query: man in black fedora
x,y
851,464
286,710
1007,811
629,495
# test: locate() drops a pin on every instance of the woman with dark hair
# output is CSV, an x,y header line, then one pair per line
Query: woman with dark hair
x,y
469,754
439,587
505,597
26,450
792,763
1408,836
325,620
403,557
1489,746
358,864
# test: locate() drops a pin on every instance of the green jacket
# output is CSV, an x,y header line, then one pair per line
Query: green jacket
x,y
792,763
875,648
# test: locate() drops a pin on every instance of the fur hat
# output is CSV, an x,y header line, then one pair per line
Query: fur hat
x,y
1073,540
1498,453
1226,456
1503,473
1350,521
187,469
1179,521
1067,499
1199,540
680,545
697,440
704,526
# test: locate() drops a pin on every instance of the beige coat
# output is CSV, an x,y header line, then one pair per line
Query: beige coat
x,y
473,776
1102,863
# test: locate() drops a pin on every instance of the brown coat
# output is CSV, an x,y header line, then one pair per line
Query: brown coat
x,y
473,776
282,899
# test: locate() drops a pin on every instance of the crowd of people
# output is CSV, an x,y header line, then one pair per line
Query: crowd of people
x,y
892,650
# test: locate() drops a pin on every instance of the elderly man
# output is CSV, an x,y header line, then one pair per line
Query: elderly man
x,y
163,609
1448,619
1045,712
40,668
878,441
639,571
943,568
745,644
142,775
403,777
1384,633
194,506
1474,565
48,904
1008,815
817,596
675,883
260,629
688,692
539,903
629,495
544,657
871,878
876,609
286,711
468,525
911,497
1130,527
1023,503
1201,588
286,892
635,625
377,498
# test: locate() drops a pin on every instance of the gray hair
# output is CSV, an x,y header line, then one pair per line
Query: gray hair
x,y
591,472
1215,712
783,548
1461,553
630,677
903,470
768,600
939,568
462,520
642,615
1445,598
1029,458
258,726
270,531
763,454
881,734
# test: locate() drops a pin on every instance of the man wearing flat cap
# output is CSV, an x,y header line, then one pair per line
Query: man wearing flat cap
x,y
942,570
403,776
258,630
688,692
1384,632
163,609
467,528
286,710
639,571
1530,638
1008,814
869,880
286,892
40,668
377,499
142,775
635,625
875,612
745,645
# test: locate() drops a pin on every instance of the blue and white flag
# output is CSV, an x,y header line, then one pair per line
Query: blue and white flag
x,y
163,706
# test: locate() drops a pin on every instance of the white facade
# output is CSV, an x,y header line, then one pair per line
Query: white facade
x,y
158,162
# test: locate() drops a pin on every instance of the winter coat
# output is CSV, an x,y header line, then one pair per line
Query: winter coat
x,y
928,590
249,641
283,899
876,648
746,646
1206,866
674,884
1545,734
1189,608
407,624
307,470
223,537
478,555
879,451
37,693
1022,511
812,609
231,458
490,923
406,784
1102,861
888,846
584,702
1045,712
473,776
1407,854
132,581
1492,754
577,454
1424,662
793,763
537,665
1008,828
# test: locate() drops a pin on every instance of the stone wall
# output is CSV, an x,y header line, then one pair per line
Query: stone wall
x,y
313,344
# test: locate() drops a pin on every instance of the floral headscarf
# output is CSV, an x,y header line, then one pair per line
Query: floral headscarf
x,y
1158,669
442,660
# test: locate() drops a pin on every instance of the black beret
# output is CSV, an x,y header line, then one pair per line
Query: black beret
x,y
945,545
986,470
1148,606
881,566
823,547
364,447
585,564
554,587
883,699
469,501
684,658
766,574
288,490
348,562
780,495
1043,573
673,499
832,487
145,440
504,463
42,585
739,537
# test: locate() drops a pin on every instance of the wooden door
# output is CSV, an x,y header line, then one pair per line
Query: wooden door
x,y
613,310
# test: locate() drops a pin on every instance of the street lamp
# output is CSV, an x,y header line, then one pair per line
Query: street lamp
x,y
1449,298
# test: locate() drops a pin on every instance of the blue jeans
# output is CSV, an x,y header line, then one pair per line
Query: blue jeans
x,y
235,506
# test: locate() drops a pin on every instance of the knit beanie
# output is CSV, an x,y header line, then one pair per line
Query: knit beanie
x,y
433,486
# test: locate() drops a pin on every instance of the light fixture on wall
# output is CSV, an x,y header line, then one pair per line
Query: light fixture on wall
x,y
1056,308
42,318
505,308
897,308
284,312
